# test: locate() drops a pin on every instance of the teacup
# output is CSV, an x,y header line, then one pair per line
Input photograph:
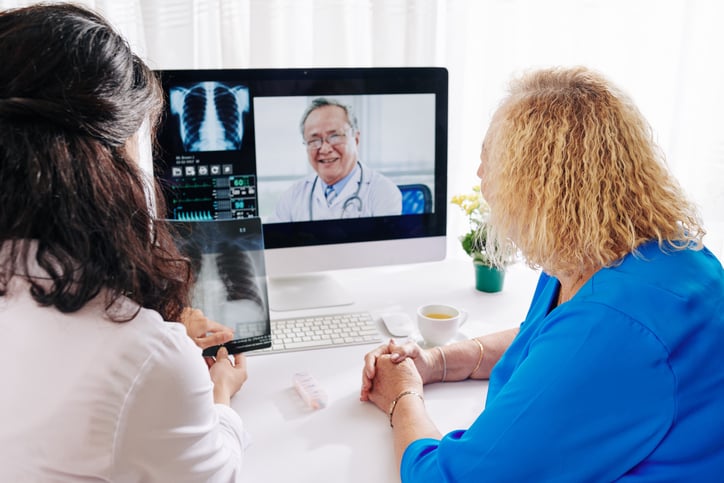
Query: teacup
x,y
439,323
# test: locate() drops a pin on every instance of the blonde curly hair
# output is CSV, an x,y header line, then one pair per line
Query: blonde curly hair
x,y
574,178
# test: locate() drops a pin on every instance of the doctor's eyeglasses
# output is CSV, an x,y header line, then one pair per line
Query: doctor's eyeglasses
x,y
333,140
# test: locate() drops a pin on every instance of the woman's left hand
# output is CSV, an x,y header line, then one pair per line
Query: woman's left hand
x,y
391,379
424,362
204,331
227,376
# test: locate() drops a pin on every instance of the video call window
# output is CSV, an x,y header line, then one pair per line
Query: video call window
x,y
396,140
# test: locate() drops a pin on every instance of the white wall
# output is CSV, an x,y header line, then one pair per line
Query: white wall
x,y
665,54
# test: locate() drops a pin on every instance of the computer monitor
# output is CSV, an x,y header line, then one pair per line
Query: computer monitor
x,y
232,146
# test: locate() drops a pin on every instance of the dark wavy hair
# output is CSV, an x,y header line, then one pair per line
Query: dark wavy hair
x,y
72,93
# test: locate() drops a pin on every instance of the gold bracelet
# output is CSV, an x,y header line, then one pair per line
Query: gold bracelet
x,y
444,364
400,396
480,359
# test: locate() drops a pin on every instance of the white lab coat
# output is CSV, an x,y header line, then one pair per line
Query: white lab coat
x,y
378,196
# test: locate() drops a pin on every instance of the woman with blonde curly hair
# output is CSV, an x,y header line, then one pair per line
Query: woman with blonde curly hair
x,y
607,378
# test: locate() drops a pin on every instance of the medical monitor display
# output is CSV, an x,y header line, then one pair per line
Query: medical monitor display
x,y
345,167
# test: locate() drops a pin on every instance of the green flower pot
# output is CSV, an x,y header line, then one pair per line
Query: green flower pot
x,y
488,279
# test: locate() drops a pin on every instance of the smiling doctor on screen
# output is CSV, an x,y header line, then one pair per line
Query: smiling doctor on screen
x,y
341,186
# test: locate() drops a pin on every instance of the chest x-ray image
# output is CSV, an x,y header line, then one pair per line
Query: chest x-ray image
x,y
229,279
210,115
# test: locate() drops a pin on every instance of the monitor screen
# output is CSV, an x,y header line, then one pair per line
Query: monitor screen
x,y
346,167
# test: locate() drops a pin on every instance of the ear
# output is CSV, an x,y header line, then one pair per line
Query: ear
x,y
138,147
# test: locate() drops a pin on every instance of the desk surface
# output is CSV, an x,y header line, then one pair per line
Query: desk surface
x,y
350,441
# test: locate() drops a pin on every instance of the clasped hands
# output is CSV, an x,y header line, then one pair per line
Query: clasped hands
x,y
392,369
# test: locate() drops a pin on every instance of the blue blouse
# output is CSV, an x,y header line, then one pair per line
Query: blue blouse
x,y
623,382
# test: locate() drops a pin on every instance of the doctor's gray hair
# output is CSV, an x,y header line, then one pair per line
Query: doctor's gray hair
x,y
324,101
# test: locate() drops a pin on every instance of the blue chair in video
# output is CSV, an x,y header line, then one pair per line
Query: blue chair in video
x,y
416,199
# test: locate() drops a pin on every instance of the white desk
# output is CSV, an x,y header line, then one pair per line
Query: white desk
x,y
350,441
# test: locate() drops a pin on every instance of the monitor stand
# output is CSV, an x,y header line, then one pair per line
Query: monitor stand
x,y
308,291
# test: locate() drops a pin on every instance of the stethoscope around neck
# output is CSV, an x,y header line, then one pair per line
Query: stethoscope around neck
x,y
353,200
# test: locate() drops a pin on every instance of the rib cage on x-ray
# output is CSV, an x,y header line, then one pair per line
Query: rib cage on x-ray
x,y
237,272
211,115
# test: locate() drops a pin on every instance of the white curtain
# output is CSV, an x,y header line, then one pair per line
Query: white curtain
x,y
666,55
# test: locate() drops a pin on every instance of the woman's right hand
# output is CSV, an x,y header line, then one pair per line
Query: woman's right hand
x,y
227,376
426,361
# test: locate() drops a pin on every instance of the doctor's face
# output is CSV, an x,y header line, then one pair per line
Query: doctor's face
x,y
331,143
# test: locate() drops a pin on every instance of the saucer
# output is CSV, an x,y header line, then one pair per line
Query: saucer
x,y
456,338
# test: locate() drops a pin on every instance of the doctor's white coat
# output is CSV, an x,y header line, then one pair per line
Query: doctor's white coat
x,y
378,196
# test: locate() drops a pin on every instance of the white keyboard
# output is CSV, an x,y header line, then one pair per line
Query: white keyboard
x,y
319,331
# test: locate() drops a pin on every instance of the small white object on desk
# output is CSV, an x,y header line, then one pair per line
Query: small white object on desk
x,y
310,392
398,324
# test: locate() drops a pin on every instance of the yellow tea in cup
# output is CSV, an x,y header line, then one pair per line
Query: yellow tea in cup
x,y
438,316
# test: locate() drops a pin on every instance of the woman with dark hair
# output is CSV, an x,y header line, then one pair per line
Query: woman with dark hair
x,y
615,374
99,385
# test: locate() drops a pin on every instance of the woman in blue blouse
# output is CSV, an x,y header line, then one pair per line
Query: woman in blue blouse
x,y
617,372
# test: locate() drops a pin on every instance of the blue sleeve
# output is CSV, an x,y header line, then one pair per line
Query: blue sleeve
x,y
591,395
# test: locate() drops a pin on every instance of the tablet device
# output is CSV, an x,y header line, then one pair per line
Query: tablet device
x,y
229,277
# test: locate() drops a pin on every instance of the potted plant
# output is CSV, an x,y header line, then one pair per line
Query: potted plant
x,y
489,277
